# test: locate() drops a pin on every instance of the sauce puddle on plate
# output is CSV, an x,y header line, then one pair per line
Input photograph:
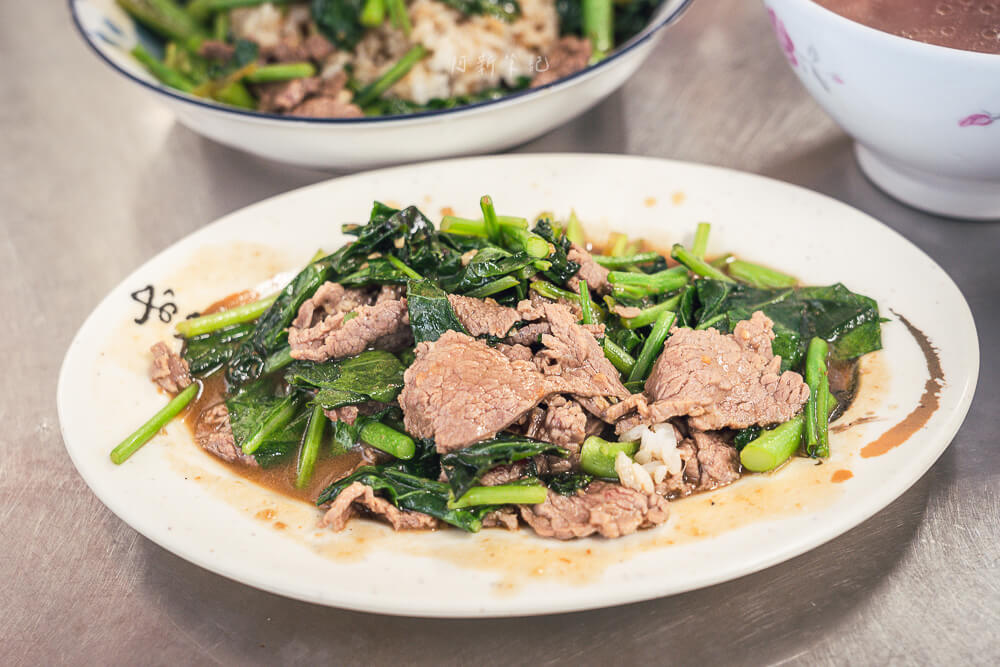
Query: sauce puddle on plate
x,y
518,558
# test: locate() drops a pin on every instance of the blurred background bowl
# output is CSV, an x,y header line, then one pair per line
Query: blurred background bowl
x,y
356,143
925,118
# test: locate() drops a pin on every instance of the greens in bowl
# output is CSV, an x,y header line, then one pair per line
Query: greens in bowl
x,y
488,372
356,58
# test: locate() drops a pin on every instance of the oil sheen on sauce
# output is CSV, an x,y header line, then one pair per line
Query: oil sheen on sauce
x,y
970,25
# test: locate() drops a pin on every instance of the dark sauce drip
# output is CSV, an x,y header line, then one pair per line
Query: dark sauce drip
x,y
929,401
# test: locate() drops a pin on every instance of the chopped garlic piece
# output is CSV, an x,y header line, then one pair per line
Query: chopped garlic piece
x,y
632,475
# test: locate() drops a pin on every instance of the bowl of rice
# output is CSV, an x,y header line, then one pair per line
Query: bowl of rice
x,y
433,79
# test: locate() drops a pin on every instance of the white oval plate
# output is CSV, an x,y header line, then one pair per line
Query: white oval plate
x,y
186,501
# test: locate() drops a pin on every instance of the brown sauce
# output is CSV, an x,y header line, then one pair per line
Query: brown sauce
x,y
969,25
841,476
929,400
280,478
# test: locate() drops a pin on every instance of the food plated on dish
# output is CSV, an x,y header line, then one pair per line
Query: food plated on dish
x,y
339,83
494,370
344,59
254,525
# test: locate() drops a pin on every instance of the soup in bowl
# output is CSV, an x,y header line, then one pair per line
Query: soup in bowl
x,y
915,83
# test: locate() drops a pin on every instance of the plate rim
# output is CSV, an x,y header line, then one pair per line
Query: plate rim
x,y
845,521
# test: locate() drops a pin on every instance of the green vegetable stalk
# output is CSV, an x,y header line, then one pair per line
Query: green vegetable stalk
x,y
774,447
283,414
618,356
144,433
389,440
373,13
574,230
586,304
597,456
280,72
599,26
697,265
377,88
660,282
161,71
624,261
208,323
817,410
503,494
309,451
700,245
652,347
759,276
649,315
166,18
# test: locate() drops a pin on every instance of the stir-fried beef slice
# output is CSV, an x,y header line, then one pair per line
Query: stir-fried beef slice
x,y
505,474
214,49
563,423
724,380
285,95
610,510
459,390
330,298
516,352
709,461
484,317
359,497
635,403
318,47
383,326
595,274
168,370
574,360
390,293
327,107
505,517
718,461
214,433
626,311
528,334
568,55
349,413
290,49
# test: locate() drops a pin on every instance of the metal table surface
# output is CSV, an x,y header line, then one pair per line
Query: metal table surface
x,y
96,178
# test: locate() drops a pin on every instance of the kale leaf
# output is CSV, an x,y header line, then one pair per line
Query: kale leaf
x,y
374,375
207,352
489,264
464,467
562,267
568,483
506,10
410,492
339,21
431,314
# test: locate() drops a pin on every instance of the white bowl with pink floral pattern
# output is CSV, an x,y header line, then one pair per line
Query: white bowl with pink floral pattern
x,y
926,118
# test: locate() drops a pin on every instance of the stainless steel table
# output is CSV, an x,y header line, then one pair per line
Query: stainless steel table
x,y
95,178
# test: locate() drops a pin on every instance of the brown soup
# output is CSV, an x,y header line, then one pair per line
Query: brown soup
x,y
970,25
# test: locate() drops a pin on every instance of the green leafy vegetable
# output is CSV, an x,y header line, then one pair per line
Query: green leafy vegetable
x,y
247,362
562,268
568,483
339,21
257,412
409,492
431,314
506,10
464,467
210,351
374,375
489,264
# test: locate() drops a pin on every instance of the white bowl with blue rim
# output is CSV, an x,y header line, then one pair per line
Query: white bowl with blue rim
x,y
925,118
355,143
